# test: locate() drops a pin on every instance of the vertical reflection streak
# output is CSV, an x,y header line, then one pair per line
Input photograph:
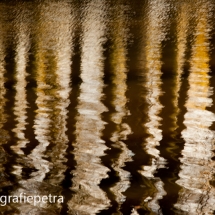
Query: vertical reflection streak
x,y
42,121
53,54
64,48
157,15
89,147
53,61
182,23
197,168
21,57
2,78
3,116
41,124
118,63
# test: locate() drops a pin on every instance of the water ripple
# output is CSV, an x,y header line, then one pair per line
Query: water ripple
x,y
93,106
119,69
156,17
197,168
22,48
89,147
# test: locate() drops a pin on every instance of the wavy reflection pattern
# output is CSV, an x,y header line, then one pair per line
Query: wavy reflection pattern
x,y
157,15
63,53
52,72
119,69
3,116
21,27
89,147
44,62
181,44
197,168
37,39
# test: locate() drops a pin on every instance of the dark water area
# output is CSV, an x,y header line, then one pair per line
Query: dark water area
x,y
109,105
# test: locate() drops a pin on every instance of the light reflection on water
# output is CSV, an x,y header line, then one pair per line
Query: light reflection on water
x,y
88,146
44,45
3,116
155,34
21,29
119,69
182,37
197,169
52,91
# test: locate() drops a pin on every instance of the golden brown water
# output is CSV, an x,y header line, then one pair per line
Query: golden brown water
x,y
109,104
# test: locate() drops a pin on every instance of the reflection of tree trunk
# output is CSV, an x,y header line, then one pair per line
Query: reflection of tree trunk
x,y
21,58
181,30
61,93
52,68
118,64
155,34
197,195
3,117
89,147
44,63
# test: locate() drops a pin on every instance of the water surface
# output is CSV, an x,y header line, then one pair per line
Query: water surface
x,y
109,104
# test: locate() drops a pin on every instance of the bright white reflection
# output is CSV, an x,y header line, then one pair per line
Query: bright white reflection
x,y
89,147
44,35
197,169
157,15
21,59
53,52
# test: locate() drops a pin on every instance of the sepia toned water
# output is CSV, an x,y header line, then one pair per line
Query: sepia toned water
x,y
110,104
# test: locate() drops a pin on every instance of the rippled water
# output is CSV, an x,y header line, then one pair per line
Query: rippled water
x,y
109,104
